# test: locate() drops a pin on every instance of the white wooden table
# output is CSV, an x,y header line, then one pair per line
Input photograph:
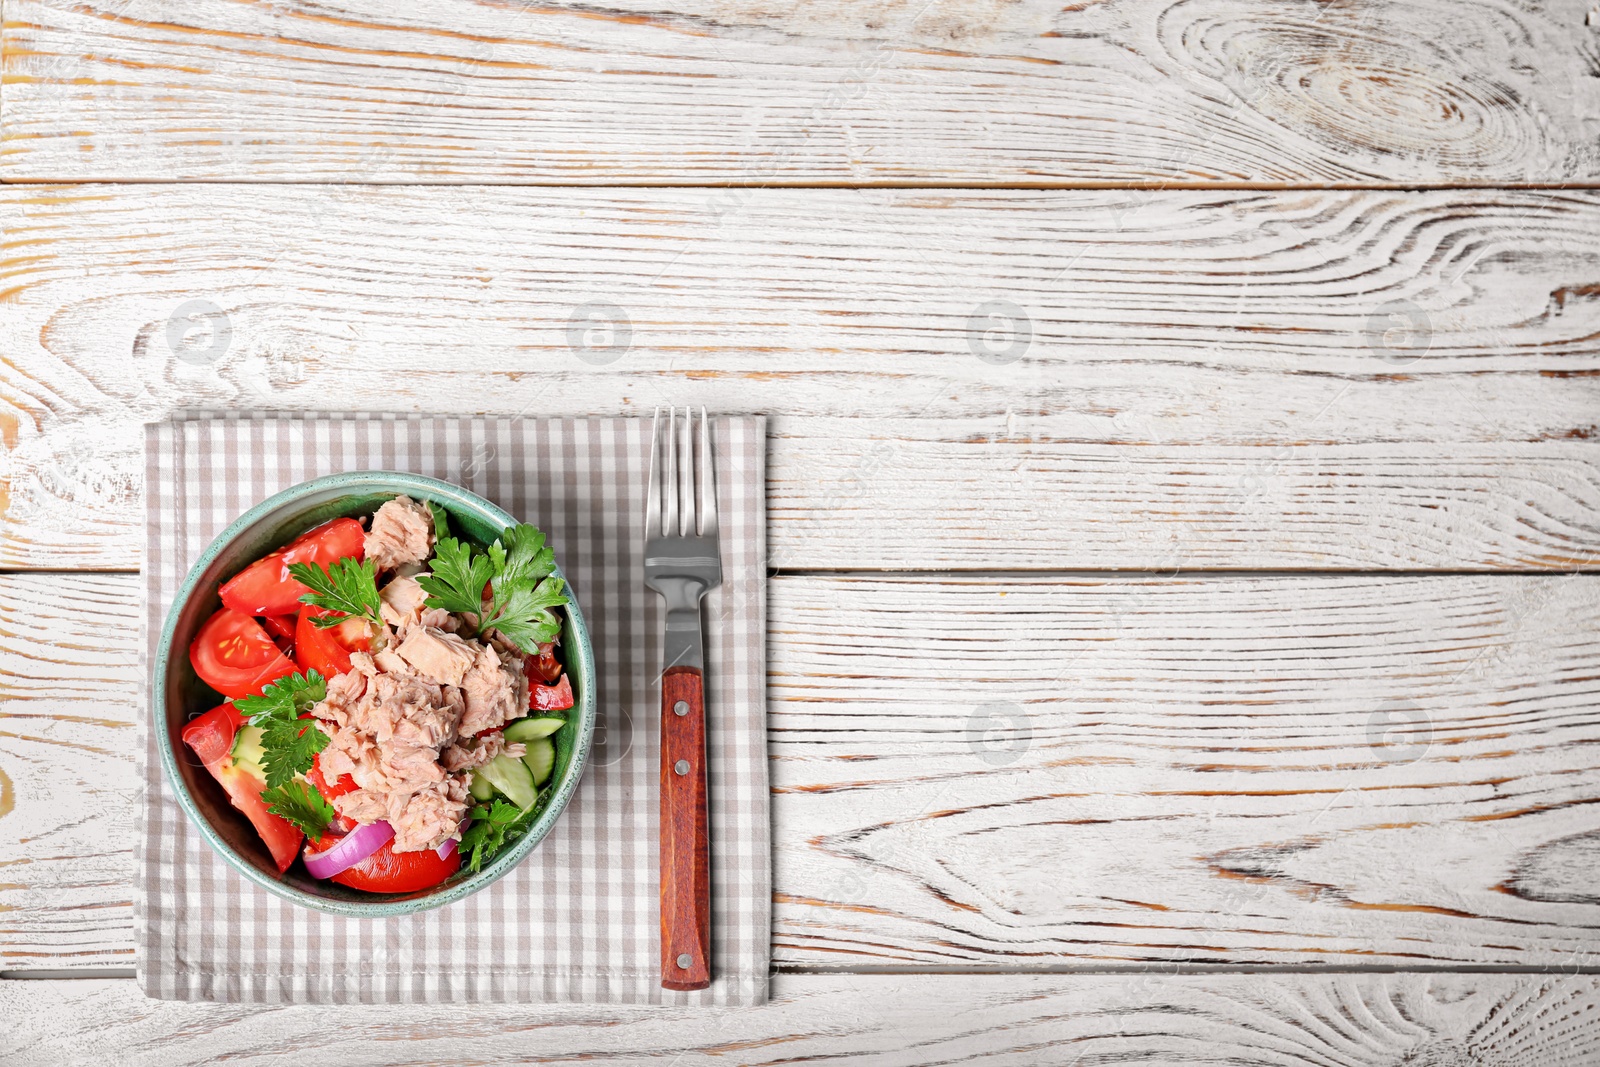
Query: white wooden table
x,y
1183,487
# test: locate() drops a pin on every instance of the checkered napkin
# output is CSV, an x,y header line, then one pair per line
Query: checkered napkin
x,y
578,920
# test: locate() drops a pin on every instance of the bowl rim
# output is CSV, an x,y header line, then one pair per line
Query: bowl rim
x,y
381,481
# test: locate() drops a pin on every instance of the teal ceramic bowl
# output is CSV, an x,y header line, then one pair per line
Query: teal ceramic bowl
x,y
176,694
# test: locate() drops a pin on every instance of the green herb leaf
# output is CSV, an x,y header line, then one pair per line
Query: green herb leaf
x,y
302,805
522,590
526,559
289,744
458,577
441,522
525,617
292,694
493,827
347,586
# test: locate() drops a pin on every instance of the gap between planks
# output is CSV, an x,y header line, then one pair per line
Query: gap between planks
x,y
1142,573
1179,970
611,184
63,974
934,575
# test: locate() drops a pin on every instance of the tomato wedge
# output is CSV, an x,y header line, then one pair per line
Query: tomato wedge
x,y
328,651
235,656
388,871
346,784
211,735
543,666
281,627
265,588
211,738
556,697
278,625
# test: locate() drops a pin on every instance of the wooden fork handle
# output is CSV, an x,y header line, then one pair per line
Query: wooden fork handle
x,y
685,843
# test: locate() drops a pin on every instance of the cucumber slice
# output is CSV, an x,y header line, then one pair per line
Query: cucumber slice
x,y
511,777
541,759
479,787
247,751
533,729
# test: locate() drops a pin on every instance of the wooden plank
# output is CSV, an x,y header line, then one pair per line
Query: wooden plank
x,y
1010,493
69,716
1243,1020
1028,773
1206,380
729,91
1340,770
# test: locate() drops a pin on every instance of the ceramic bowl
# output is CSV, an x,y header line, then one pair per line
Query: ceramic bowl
x,y
177,695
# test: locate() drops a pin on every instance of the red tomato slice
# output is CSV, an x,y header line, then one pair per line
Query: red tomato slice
x,y
211,734
543,666
325,842
346,784
278,625
211,738
388,871
328,651
233,655
556,697
265,588
281,627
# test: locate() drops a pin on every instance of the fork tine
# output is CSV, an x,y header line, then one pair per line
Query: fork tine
x,y
652,504
686,473
708,480
669,480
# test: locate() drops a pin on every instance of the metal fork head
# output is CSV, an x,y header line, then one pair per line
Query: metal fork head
x,y
682,497
682,554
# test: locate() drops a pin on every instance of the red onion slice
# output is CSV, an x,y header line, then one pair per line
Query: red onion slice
x,y
449,846
350,850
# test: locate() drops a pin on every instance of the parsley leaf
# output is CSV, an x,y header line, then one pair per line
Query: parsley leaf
x,y
347,587
517,569
302,805
293,694
525,557
458,577
525,617
493,827
289,743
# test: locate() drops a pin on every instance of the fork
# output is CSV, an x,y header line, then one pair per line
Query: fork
x,y
682,559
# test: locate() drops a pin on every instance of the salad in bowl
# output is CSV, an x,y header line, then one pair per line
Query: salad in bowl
x,y
384,698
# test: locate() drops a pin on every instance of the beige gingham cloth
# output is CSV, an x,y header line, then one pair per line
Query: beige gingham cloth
x,y
578,920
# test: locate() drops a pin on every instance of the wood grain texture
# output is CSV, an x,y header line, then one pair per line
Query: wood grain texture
x,y
1292,1020
1209,380
1227,770
685,840
1053,493
69,683
1026,773
739,92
